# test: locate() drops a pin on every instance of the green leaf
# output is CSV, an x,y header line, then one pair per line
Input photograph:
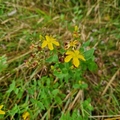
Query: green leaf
x,y
80,86
92,66
55,92
89,54
12,87
65,116
16,90
14,110
2,9
86,44
53,58
3,63
76,74
84,86
40,105
76,115
62,74
58,100
87,105
76,86
21,91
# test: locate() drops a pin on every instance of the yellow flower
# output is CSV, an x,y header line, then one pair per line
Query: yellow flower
x,y
41,37
49,42
72,44
81,82
1,112
76,32
76,28
75,56
26,116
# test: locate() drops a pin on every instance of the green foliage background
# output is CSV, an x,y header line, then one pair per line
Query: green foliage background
x,y
44,92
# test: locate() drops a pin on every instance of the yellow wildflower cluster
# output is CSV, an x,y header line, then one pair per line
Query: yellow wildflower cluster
x,y
72,53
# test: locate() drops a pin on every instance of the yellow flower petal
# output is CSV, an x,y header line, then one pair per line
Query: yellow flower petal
x,y
26,115
1,111
1,106
47,38
76,62
81,57
76,52
50,46
73,43
69,53
44,44
56,43
68,58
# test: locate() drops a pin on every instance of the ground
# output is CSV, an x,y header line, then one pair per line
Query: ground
x,y
22,23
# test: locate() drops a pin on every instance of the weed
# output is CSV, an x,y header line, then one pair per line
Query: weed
x,y
48,56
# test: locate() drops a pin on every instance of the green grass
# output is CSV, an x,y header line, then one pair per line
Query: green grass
x,y
25,89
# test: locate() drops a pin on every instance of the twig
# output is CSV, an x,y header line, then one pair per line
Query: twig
x,y
104,116
110,82
18,57
79,95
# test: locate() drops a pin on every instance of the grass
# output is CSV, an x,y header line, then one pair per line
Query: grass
x,y
21,23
